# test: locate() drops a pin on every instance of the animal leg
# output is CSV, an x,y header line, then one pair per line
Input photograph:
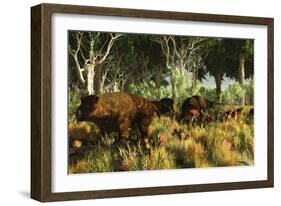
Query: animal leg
x,y
144,130
124,130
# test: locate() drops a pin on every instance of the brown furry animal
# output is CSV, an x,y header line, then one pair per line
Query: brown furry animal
x,y
193,115
227,115
117,112
165,106
231,114
192,104
205,117
198,102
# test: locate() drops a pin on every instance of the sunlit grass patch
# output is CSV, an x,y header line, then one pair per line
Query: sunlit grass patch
x,y
173,145
134,158
97,160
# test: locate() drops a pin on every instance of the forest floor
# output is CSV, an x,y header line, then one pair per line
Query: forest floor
x,y
173,145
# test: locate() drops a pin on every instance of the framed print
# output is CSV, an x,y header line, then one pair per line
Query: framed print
x,y
128,102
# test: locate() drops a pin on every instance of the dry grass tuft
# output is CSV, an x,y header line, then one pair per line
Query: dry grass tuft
x,y
173,145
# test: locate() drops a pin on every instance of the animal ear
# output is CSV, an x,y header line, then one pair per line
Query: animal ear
x,y
89,98
93,98
82,98
96,98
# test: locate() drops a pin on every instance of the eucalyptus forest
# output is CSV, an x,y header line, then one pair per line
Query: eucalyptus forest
x,y
153,67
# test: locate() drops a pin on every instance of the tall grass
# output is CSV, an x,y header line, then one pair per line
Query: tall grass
x,y
173,145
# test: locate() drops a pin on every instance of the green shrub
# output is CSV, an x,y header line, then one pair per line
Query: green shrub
x,y
74,96
100,160
149,90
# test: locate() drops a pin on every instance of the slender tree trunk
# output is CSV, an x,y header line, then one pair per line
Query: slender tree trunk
x,y
90,78
126,86
194,77
79,71
103,78
182,68
173,84
115,87
98,87
158,80
218,79
242,75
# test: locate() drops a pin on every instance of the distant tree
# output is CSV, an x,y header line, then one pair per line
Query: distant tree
x,y
229,58
89,50
216,63
177,51
240,53
195,63
134,59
